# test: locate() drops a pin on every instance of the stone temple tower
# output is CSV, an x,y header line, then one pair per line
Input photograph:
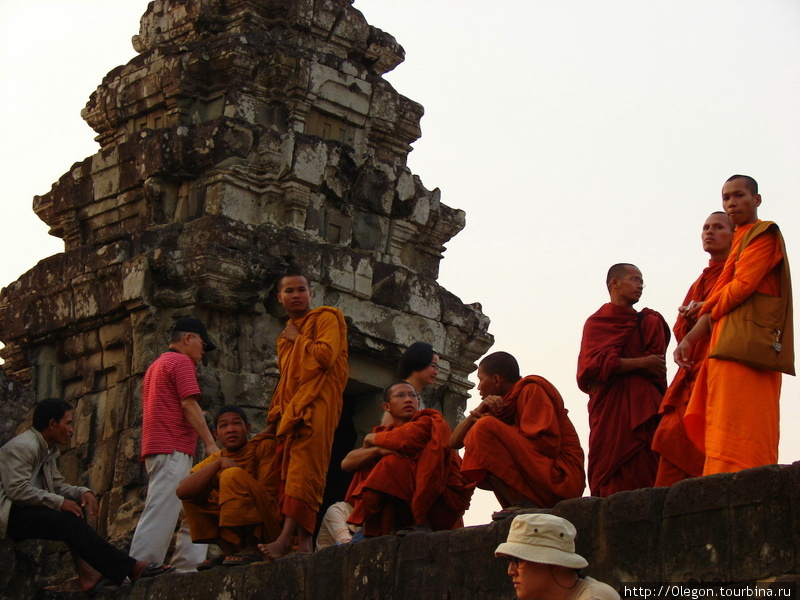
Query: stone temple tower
x,y
245,136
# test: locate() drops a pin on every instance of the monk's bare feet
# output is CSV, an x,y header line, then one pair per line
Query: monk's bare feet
x,y
274,550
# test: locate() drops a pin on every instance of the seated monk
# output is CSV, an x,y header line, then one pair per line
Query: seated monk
x,y
519,441
407,478
229,498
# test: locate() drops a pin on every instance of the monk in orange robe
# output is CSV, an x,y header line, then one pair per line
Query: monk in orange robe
x,y
733,414
622,367
229,498
519,441
305,409
406,475
679,457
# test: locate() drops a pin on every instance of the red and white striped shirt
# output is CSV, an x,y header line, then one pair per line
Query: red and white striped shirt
x,y
171,378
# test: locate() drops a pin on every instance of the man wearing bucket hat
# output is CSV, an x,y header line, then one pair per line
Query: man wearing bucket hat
x,y
172,420
543,564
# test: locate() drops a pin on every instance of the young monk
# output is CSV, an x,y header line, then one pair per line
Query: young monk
x,y
623,369
679,457
519,441
305,409
229,498
733,414
407,478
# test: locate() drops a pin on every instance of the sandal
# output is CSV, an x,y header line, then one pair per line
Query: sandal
x,y
154,569
245,557
210,563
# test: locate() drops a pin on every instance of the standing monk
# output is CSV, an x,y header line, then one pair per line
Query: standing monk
x,y
623,369
172,420
408,477
519,441
733,414
305,409
680,458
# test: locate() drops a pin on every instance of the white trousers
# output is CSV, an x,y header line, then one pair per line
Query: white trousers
x,y
162,508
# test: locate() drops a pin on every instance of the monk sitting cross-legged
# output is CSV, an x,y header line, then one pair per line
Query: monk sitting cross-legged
x,y
229,498
519,441
407,476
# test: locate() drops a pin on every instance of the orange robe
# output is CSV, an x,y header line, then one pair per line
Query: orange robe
x,y
421,483
531,445
679,457
623,408
306,407
242,496
733,415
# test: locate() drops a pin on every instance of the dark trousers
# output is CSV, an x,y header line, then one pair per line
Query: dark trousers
x,y
42,523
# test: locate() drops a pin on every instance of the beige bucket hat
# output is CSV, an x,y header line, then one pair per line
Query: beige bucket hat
x,y
542,538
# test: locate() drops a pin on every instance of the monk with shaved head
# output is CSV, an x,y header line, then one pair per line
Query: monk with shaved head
x,y
623,369
305,409
733,415
406,476
679,457
519,441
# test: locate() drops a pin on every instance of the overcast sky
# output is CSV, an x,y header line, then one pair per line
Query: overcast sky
x,y
574,133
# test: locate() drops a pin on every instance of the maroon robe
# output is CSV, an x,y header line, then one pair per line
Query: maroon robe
x,y
680,458
421,483
530,445
623,409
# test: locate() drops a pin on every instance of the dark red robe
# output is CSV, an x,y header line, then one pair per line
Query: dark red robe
x,y
679,457
531,445
420,484
623,409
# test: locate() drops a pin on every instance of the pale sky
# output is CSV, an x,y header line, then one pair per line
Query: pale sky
x,y
574,133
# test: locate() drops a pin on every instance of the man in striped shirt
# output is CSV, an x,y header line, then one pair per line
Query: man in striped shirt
x,y
172,420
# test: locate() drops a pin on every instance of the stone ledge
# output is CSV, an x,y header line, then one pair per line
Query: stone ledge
x,y
738,527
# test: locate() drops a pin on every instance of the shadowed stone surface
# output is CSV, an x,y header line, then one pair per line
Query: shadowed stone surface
x,y
725,528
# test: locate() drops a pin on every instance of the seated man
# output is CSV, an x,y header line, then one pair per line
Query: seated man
x,y
407,477
229,498
542,562
334,528
519,441
36,503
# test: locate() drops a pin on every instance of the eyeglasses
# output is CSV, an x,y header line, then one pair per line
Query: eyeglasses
x,y
199,339
412,395
435,366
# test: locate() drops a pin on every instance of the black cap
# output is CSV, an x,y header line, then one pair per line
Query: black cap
x,y
192,325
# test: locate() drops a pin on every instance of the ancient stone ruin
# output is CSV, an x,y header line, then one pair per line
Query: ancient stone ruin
x,y
245,136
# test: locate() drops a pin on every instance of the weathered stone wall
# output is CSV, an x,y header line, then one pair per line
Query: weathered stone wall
x,y
16,401
245,136
741,527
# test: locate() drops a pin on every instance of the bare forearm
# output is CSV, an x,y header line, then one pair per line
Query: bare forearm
x,y
194,415
360,458
197,485
701,329
462,429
